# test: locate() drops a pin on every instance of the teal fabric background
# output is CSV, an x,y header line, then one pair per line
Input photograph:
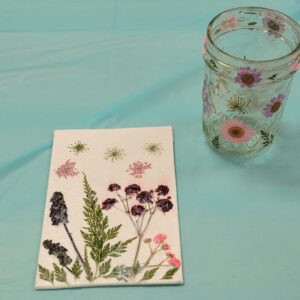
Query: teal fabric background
x,y
132,63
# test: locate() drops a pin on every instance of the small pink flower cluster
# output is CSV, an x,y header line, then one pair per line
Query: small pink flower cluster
x,y
138,168
159,239
67,169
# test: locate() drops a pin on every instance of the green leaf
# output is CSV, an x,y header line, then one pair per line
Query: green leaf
x,y
136,267
252,23
216,142
112,233
87,267
59,273
149,274
105,267
121,273
45,274
170,273
76,269
267,138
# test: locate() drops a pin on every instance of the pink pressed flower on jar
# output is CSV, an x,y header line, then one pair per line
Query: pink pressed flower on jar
x,y
236,131
174,262
248,77
230,22
159,238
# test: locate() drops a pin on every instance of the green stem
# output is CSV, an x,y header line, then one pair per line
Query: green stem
x,y
73,243
137,250
96,271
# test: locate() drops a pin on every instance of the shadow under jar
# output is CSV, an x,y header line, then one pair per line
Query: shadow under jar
x,y
251,55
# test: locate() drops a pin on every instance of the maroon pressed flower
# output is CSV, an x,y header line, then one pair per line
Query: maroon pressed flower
x,y
132,189
164,205
114,187
137,210
145,197
162,190
109,203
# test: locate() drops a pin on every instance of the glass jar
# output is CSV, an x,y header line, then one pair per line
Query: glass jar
x,y
251,55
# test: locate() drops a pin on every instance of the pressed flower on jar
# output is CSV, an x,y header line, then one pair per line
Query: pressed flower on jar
x,y
207,105
274,25
230,22
273,106
236,131
248,77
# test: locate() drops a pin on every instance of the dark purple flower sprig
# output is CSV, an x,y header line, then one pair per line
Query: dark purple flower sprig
x,y
139,205
59,215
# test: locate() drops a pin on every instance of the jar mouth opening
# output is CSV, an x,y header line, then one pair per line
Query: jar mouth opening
x,y
293,25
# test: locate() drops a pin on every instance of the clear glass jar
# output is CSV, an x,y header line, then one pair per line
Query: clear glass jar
x,y
251,55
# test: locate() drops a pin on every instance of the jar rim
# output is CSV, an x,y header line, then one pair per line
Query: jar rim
x,y
290,20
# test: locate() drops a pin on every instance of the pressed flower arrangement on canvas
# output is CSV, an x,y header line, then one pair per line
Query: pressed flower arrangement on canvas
x,y
133,248
243,93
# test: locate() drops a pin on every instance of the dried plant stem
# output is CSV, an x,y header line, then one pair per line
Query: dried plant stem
x,y
73,243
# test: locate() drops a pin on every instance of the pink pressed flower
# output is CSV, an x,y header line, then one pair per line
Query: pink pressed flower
x,y
170,254
174,262
159,238
273,106
147,240
230,22
165,246
137,169
274,25
295,67
67,169
236,131
248,77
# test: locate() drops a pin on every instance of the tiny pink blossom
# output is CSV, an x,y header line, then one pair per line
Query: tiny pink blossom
x,y
165,246
295,67
67,169
137,169
159,238
174,262
147,240
230,22
170,254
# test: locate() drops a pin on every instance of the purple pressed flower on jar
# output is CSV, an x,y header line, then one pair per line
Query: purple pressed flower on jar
x,y
109,203
248,77
274,25
273,106
137,210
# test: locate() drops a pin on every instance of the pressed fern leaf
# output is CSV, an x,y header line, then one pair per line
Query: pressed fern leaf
x,y
149,274
46,274
59,273
97,232
87,267
266,137
76,269
170,273
105,267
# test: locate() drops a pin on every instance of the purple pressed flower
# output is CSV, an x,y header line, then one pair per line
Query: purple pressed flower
x,y
114,187
109,203
274,25
162,190
132,189
137,210
59,251
164,205
273,106
67,169
58,209
145,197
248,77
